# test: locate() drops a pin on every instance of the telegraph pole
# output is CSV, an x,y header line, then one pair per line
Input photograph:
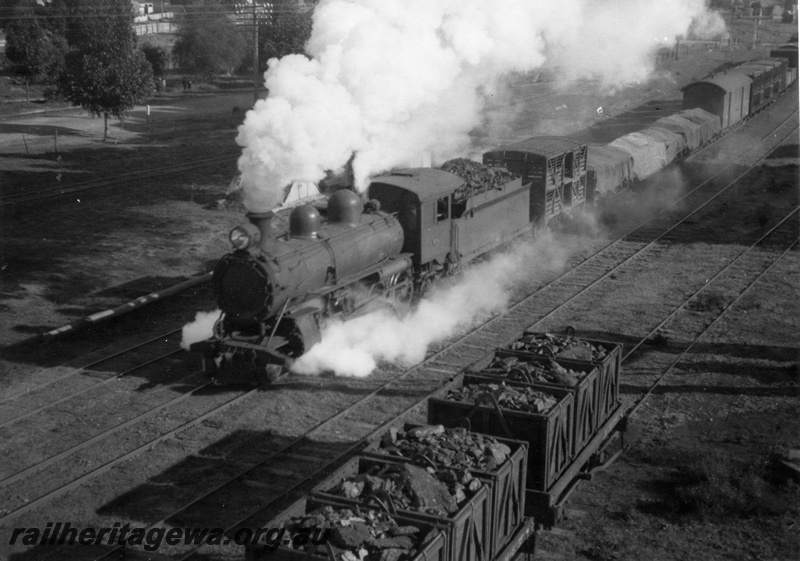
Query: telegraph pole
x,y
255,53
755,31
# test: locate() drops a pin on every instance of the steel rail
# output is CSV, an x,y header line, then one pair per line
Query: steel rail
x,y
638,403
47,497
100,384
126,177
39,466
37,387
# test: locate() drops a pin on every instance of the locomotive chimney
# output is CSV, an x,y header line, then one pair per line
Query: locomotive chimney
x,y
262,221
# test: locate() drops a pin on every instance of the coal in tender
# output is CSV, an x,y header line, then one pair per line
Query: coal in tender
x,y
561,346
457,450
524,399
477,177
358,535
520,370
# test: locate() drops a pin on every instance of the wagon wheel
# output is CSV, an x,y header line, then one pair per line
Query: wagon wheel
x,y
426,285
452,264
403,288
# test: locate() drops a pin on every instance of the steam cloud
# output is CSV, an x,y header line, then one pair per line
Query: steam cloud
x,y
353,348
200,329
390,80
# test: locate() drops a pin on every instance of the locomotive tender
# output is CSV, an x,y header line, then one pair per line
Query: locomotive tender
x,y
335,259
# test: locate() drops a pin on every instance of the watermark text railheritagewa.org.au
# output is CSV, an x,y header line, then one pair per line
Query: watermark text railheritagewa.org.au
x,y
151,539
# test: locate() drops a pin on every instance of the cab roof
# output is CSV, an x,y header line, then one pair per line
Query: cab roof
x,y
425,183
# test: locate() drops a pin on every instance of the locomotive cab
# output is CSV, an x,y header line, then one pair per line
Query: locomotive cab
x,y
421,200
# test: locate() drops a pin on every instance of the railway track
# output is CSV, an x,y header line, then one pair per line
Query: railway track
x,y
271,473
30,393
271,466
48,193
455,356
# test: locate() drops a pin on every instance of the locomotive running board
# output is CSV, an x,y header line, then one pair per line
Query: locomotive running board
x,y
365,273
243,345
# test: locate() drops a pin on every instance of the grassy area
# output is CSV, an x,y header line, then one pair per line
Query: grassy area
x,y
716,485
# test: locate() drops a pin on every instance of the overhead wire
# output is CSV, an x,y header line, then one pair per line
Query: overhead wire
x,y
208,9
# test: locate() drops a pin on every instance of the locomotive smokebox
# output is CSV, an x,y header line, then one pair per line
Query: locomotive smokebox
x,y
263,221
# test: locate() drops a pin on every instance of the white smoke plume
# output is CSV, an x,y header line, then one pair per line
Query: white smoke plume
x,y
614,40
390,79
200,329
353,348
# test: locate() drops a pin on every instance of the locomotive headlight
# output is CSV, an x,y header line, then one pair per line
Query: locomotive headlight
x,y
244,236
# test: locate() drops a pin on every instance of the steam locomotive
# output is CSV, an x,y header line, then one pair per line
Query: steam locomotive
x,y
292,270
287,274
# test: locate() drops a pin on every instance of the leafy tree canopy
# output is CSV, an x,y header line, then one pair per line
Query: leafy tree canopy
x,y
209,42
156,56
104,72
33,50
287,33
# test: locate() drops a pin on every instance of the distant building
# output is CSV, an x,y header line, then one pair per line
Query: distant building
x,y
244,12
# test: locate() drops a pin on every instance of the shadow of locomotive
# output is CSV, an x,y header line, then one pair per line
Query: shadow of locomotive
x,y
245,455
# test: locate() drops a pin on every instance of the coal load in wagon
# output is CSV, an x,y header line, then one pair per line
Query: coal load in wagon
x,y
525,399
352,533
581,378
607,357
477,177
543,419
499,463
454,501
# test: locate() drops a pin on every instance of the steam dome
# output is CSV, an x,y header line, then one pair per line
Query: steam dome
x,y
344,207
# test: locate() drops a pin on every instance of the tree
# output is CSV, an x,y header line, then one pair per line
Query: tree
x,y
156,56
32,49
209,43
286,34
104,71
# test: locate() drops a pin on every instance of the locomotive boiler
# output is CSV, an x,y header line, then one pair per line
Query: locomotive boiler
x,y
278,283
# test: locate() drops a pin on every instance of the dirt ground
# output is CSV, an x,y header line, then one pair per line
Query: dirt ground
x,y
696,478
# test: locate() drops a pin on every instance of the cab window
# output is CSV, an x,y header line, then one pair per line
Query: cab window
x,y
442,209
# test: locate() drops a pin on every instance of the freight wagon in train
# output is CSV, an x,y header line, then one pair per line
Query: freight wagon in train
x,y
696,126
725,95
608,169
554,166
